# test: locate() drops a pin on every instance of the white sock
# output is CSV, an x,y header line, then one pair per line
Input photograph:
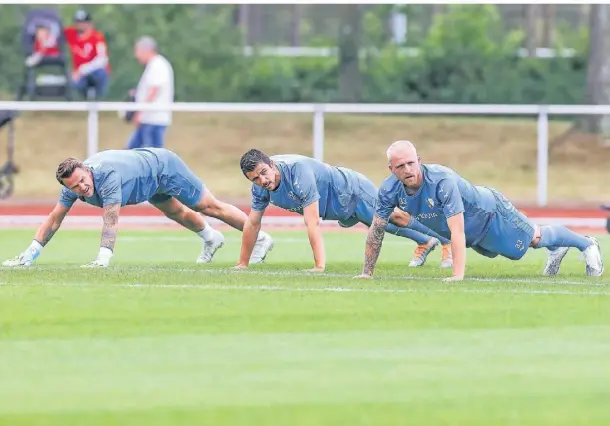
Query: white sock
x,y
261,235
207,233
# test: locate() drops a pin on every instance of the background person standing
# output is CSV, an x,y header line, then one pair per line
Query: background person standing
x,y
156,86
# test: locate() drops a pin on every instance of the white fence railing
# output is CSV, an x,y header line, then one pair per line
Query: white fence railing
x,y
307,51
318,111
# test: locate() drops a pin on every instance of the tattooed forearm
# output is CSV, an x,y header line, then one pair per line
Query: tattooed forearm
x,y
47,230
111,224
48,234
373,244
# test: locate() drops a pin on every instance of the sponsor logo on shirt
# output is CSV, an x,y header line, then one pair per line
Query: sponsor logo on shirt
x,y
426,216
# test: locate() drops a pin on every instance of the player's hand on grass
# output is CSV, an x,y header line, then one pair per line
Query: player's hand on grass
x,y
240,266
454,278
363,277
95,264
316,269
27,257
102,260
20,260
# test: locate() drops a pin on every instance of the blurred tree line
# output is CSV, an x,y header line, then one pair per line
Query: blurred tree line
x,y
467,53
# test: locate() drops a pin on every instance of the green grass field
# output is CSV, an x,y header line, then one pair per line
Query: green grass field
x,y
159,340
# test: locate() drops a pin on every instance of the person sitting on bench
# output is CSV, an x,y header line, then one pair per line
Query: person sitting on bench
x,y
89,56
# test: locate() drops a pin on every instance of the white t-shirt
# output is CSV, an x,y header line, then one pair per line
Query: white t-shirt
x,y
158,72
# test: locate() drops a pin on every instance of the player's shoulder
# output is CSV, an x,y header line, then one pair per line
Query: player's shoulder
x,y
103,157
65,191
258,190
290,159
435,173
390,184
293,163
102,164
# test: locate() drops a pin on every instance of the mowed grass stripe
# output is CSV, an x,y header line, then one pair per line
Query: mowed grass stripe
x,y
592,281
262,288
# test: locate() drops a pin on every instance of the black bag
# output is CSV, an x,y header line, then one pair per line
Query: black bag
x,y
128,115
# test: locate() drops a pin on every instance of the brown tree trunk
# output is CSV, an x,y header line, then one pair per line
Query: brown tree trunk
x,y
531,30
437,9
598,75
296,24
255,23
243,12
349,47
548,25
583,16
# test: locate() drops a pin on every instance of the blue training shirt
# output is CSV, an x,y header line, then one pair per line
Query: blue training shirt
x,y
120,177
443,194
305,180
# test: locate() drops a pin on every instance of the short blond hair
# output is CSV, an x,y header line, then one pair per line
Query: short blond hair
x,y
399,146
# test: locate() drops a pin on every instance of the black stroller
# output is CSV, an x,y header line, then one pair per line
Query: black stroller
x,y
50,77
9,168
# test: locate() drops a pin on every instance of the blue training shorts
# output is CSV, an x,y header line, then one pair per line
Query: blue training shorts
x,y
365,207
177,180
510,232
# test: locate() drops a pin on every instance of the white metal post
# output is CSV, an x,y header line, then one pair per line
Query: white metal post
x,y
543,156
318,133
92,129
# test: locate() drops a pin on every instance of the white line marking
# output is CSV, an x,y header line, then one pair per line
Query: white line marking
x,y
549,281
283,240
221,287
193,237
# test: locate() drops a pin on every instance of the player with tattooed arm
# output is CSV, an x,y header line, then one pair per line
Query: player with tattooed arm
x,y
318,190
116,178
469,215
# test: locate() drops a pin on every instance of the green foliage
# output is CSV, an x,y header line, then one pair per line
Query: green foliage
x,y
569,37
466,57
374,25
11,64
465,52
271,79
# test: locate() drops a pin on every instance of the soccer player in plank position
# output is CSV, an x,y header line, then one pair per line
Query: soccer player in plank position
x,y
115,178
318,190
471,216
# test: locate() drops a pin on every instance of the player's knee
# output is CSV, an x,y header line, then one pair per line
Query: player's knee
x,y
400,218
175,213
173,209
209,205
536,237
211,208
